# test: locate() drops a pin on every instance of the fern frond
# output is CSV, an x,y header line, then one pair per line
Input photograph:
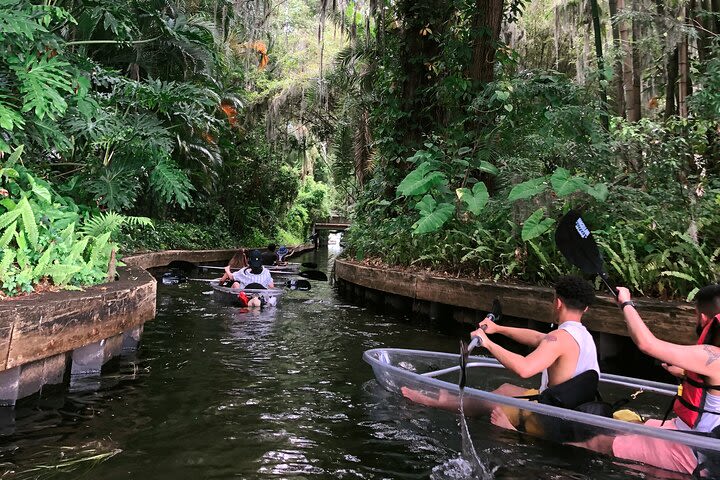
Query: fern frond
x,y
171,184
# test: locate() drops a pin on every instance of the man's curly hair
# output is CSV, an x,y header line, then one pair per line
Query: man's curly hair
x,y
576,293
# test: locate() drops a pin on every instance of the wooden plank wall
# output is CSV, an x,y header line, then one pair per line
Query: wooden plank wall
x,y
164,258
671,321
40,326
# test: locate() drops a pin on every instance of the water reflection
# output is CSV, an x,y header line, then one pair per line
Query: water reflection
x,y
214,392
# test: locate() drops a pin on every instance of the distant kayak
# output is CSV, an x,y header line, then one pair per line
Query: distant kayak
x,y
230,295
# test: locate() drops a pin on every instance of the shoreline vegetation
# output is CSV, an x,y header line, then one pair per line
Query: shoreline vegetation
x,y
453,133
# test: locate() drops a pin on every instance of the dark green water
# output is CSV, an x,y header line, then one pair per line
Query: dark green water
x,y
216,393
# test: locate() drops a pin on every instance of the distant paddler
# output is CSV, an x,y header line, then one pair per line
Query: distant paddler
x,y
254,273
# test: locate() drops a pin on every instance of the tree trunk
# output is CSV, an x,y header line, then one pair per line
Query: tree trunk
x,y
633,114
617,63
683,71
636,69
486,31
672,77
601,63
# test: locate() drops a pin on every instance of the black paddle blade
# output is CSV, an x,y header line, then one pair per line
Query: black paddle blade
x,y
312,265
575,241
496,310
464,354
302,285
314,275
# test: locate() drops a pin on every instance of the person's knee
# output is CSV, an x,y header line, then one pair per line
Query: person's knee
x,y
254,302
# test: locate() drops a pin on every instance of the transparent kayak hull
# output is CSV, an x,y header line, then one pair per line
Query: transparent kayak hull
x,y
230,295
434,375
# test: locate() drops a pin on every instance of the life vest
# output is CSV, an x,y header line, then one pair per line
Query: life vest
x,y
690,402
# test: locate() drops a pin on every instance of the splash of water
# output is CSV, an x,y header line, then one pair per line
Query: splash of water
x,y
469,464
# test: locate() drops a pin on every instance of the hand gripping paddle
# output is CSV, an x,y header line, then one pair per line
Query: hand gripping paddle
x,y
575,241
465,349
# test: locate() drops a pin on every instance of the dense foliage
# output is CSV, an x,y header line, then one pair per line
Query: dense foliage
x,y
46,238
456,132
478,189
147,108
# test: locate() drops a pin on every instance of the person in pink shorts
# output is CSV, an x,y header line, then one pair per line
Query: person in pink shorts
x,y
697,406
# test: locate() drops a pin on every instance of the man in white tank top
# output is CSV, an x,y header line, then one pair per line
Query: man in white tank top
x,y
559,355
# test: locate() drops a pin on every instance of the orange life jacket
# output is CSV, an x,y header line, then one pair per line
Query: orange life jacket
x,y
689,404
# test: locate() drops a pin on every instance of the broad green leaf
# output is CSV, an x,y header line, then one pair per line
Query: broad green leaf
x,y
535,225
42,192
528,189
14,156
599,192
488,167
426,205
475,199
566,184
420,181
433,221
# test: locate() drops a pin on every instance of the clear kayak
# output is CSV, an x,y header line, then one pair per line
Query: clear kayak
x,y
434,375
230,295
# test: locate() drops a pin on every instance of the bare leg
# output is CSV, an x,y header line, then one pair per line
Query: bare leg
x,y
600,443
451,402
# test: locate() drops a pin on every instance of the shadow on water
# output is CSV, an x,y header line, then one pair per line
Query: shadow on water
x,y
281,393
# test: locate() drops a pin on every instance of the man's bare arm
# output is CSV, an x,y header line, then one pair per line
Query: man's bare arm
x,y
541,358
526,336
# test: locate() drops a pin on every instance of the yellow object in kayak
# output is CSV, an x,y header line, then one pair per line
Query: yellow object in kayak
x,y
627,415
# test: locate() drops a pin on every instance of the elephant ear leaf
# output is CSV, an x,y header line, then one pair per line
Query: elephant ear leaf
x,y
536,225
432,215
566,184
475,199
420,180
431,221
527,189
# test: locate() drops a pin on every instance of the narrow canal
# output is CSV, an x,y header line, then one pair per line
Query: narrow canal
x,y
217,393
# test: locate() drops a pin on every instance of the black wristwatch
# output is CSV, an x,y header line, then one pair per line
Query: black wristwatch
x,y
625,304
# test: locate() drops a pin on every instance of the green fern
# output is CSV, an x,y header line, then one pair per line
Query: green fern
x,y
171,184
9,234
8,256
110,222
42,82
